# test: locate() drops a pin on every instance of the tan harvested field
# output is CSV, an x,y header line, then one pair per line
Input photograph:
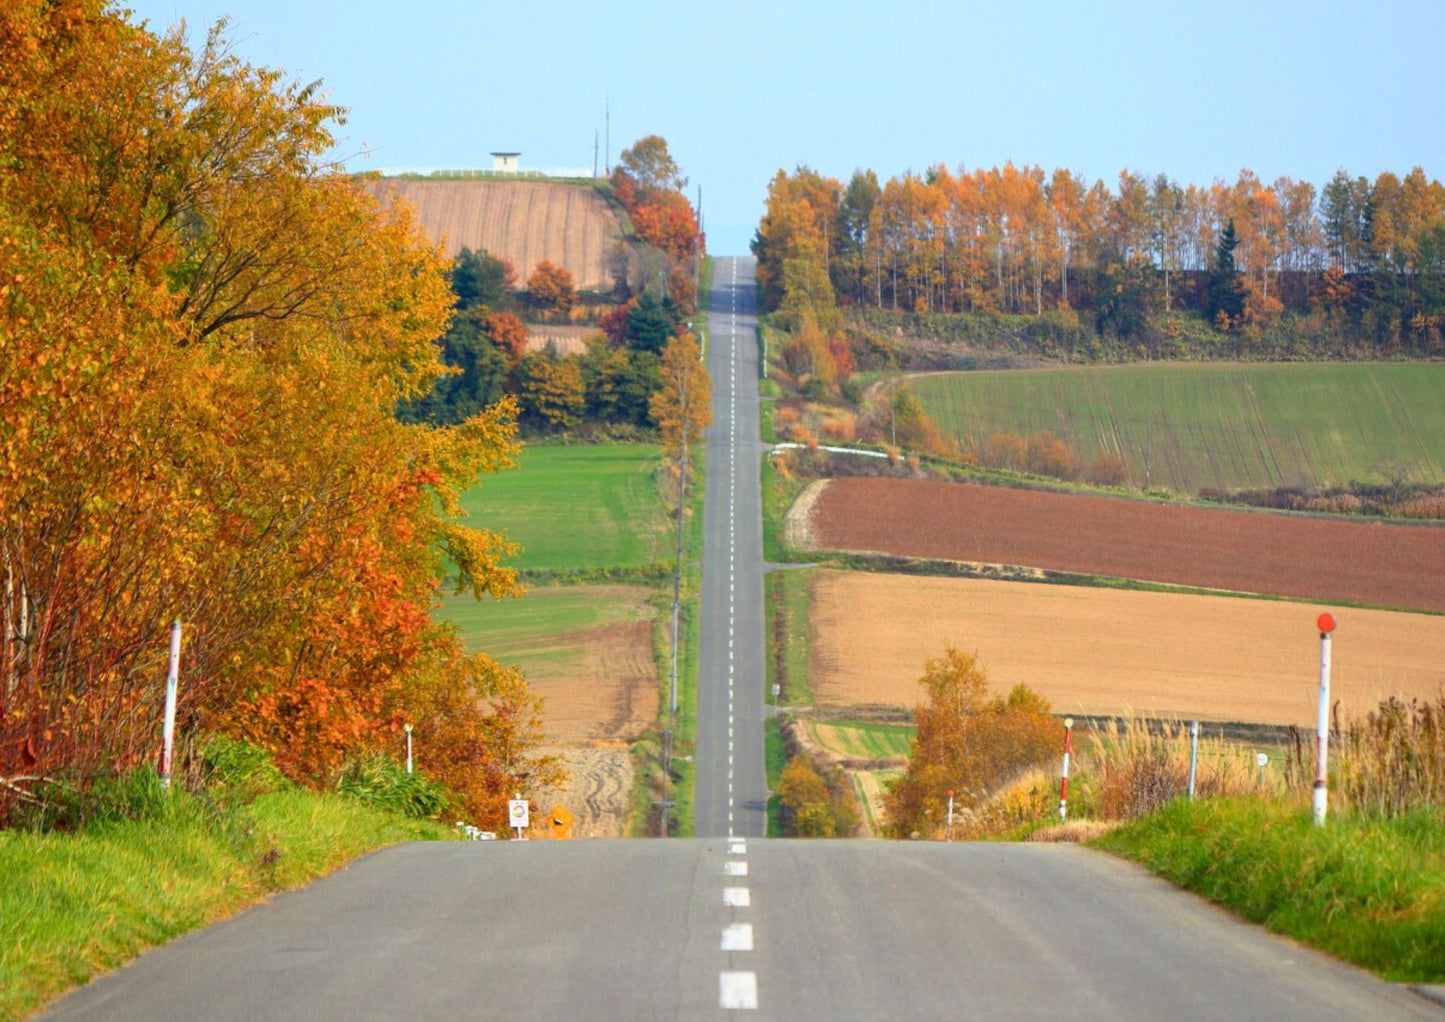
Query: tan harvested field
x,y
1375,563
600,684
524,221
1109,651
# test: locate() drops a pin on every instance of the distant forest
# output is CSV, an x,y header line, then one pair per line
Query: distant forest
x,y
1355,267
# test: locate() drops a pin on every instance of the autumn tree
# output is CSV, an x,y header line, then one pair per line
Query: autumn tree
x,y
967,742
552,392
651,166
183,275
509,335
551,287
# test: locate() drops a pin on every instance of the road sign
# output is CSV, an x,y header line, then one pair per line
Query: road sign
x,y
517,812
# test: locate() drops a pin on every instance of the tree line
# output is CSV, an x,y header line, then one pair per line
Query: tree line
x,y
608,386
205,329
1363,257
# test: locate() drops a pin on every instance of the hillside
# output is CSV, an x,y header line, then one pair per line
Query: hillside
x,y
573,225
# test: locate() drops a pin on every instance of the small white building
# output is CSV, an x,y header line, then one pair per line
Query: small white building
x,y
505,163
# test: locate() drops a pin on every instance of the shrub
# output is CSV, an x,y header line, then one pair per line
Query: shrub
x,y
1134,769
235,763
1107,470
382,782
1393,761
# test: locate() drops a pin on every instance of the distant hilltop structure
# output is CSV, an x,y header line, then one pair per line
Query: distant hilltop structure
x,y
504,164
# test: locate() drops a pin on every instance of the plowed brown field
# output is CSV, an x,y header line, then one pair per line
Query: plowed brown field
x,y
1110,651
1374,563
524,221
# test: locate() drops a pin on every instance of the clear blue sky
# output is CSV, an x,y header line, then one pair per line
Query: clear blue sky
x,y
1196,90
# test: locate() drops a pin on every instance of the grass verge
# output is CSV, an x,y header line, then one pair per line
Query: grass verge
x,y
1369,890
788,597
775,757
779,490
74,905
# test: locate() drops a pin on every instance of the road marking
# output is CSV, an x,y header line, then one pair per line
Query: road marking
x,y
737,937
738,990
735,869
738,847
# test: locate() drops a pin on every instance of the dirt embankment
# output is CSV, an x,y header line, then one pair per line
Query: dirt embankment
x,y
1373,563
523,221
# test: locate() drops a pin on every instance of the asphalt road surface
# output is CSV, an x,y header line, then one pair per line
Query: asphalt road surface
x,y
699,929
731,782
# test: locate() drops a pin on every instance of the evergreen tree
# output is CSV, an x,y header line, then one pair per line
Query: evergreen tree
x,y
480,279
1226,287
649,325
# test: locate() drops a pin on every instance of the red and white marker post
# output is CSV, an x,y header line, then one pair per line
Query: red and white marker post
x,y
1326,624
950,815
1064,779
168,722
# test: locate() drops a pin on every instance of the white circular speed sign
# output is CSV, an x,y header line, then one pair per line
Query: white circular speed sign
x,y
517,812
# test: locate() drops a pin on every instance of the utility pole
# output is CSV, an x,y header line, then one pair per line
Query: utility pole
x,y
594,152
607,116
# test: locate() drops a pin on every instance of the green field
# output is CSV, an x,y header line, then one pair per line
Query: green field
x,y
525,632
863,739
581,507
1221,426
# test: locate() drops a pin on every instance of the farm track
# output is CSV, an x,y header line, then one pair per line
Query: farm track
x,y
523,221
1384,564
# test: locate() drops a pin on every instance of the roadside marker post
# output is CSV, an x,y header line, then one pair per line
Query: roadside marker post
x,y
168,728
1193,755
407,729
1064,780
950,814
1326,625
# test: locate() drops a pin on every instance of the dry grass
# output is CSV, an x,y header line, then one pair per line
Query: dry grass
x,y
1389,762
1133,768
1074,831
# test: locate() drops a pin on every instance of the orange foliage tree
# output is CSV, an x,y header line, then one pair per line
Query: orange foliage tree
x,y
203,333
551,287
968,742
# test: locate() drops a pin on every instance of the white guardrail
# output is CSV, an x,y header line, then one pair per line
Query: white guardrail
x,y
830,450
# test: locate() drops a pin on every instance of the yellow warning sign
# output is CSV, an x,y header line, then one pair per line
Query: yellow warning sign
x,y
559,822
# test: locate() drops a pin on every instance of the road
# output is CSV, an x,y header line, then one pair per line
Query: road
x,y
731,781
729,921
825,930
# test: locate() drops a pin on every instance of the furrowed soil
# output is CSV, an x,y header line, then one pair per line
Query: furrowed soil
x,y
523,221
1374,563
1109,651
587,650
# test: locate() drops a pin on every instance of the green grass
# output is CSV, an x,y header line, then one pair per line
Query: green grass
x,y
1220,426
524,632
865,738
779,492
73,905
788,598
775,757
1369,890
593,506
